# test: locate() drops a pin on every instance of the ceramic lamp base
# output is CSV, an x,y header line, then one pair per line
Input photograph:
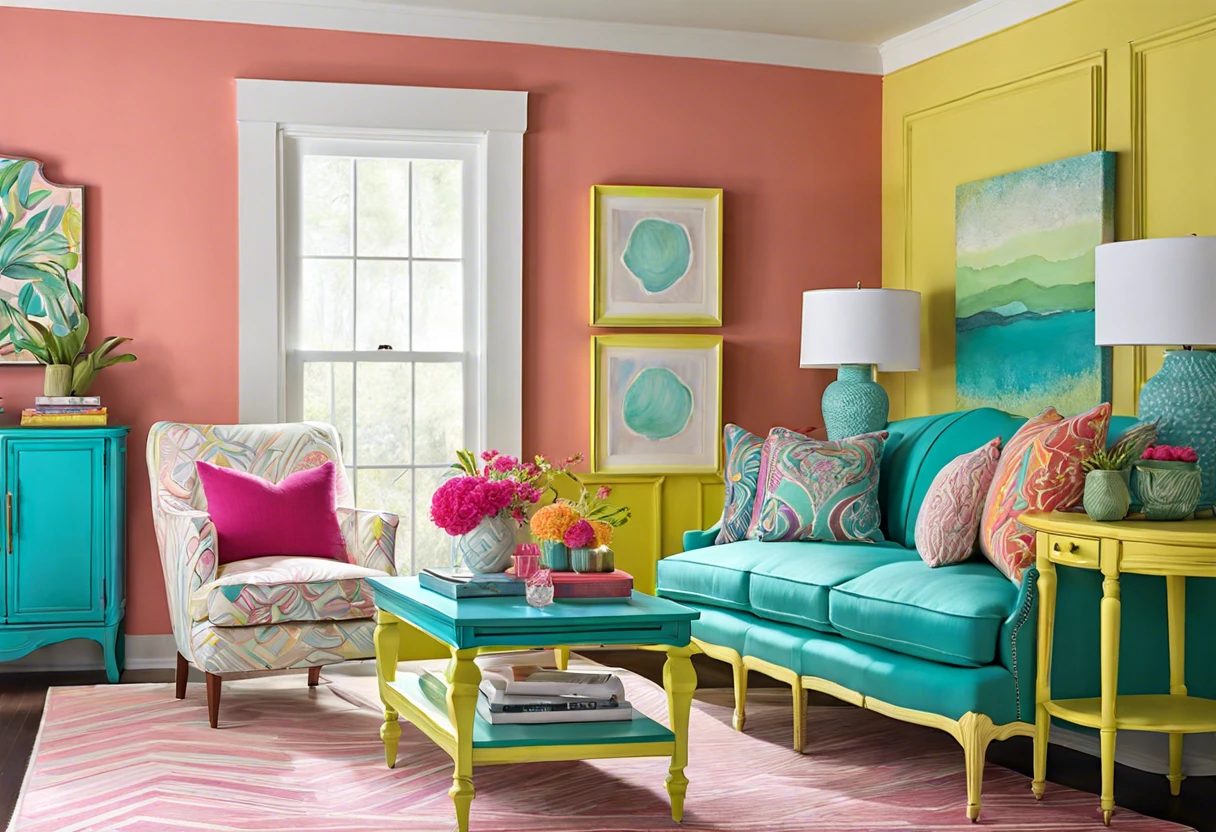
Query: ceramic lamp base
x,y
1182,398
854,403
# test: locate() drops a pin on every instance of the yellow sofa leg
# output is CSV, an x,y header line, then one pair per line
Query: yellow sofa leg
x,y
561,657
740,670
799,696
975,732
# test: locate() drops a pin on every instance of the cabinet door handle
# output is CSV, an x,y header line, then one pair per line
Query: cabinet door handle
x,y
1072,547
8,522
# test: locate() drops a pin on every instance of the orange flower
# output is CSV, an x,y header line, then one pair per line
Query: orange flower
x,y
551,522
603,532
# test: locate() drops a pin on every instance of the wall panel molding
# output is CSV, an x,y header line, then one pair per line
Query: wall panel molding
x,y
1093,65
1140,51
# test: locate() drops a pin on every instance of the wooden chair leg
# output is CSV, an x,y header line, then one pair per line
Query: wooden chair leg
x,y
213,699
183,672
314,676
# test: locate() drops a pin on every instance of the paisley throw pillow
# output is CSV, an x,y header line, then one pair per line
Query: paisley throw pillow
x,y
949,518
815,490
741,473
1040,470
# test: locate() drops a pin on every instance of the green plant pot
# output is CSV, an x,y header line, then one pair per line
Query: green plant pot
x,y
1106,495
585,560
555,555
1168,490
58,380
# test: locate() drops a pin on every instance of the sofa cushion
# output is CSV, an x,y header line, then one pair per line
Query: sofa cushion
x,y
950,615
818,490
793,588
949,517
741,472
716,575
1040,470
277,589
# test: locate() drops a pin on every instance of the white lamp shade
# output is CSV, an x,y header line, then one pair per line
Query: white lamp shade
x,y
861,326
1160,291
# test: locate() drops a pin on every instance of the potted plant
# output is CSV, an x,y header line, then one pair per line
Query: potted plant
x,y
1106,495
1168,482
574,534
69,370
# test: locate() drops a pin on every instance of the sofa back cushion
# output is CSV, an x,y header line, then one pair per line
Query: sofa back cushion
x,y
921,447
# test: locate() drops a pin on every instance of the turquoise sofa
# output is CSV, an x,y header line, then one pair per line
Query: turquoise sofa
x,y
952,647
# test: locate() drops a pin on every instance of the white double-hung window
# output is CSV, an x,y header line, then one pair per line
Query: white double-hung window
x,y
392,274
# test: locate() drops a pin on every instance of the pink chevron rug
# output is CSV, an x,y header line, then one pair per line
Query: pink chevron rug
x,y
131,757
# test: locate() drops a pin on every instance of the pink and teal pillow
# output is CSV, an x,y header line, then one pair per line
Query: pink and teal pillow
x,y
815,490
255,517
742,471
1040,470
949,517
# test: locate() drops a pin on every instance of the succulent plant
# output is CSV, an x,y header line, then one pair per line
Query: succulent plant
x,y
1114,459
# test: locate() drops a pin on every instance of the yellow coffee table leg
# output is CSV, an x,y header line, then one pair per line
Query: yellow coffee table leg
x,y
1110,615
680,682
561,656
387,639
463,677
1047,624
1175,595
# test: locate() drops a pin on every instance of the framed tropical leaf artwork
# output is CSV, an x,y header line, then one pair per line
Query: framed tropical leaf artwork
x,y
656,256
656,404
41,255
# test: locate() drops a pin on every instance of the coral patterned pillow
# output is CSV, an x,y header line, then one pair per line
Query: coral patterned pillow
x,y
949,518
814,490
1040,470
741,473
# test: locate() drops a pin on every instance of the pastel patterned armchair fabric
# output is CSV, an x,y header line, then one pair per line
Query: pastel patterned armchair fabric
x,y
267,613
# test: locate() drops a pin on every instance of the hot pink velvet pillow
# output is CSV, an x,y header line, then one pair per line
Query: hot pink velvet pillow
x,y
254,518
949,518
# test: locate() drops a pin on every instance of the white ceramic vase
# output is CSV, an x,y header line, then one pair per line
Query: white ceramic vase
x,y
488,548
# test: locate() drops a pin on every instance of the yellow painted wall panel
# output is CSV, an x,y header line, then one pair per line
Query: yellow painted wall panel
x,y
1056,86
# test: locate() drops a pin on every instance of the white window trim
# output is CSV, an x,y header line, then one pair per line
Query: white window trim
x,y
266,109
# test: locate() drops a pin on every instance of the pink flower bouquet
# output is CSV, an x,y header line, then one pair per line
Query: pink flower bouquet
x,y
503,486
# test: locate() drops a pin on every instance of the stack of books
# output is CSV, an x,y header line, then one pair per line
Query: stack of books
x,y
64,411
464,584
531,694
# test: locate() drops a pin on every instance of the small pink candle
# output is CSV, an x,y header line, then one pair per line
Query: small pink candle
x,y
527,560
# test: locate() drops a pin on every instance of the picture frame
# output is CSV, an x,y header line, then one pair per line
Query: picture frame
x,y
656,404
42,279
656,256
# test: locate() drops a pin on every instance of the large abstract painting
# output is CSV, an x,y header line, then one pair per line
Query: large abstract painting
x,y
656,256
656,403
41,266
1024,295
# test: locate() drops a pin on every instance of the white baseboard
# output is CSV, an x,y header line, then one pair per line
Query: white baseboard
x,y
143,653
1147,751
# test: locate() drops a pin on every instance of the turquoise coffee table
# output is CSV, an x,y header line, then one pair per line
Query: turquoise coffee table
x,y
471,625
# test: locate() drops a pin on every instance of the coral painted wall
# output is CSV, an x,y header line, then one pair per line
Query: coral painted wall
x,y
142,112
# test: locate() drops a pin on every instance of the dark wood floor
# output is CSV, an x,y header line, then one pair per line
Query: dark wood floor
x,y
22,697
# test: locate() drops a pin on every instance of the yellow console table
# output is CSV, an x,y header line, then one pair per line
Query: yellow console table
x,y
1174,550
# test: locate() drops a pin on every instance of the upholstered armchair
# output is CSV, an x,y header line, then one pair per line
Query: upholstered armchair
x,y
268,613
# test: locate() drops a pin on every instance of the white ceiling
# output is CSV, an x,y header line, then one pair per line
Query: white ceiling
x,y
855,21
866,36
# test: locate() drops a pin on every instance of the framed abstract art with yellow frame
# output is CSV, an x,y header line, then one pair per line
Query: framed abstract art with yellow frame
x,y
656,256
656,404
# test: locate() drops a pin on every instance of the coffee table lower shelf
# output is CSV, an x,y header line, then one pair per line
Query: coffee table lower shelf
x,y
421,701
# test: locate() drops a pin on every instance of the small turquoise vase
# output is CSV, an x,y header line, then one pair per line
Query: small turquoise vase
x,y
1106,495
555,555
854,403
1168,490
1182,398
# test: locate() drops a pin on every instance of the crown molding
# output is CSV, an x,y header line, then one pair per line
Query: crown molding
x,y
958,28
393,19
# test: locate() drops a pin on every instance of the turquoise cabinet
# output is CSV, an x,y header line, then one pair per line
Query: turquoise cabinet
x,y
64,539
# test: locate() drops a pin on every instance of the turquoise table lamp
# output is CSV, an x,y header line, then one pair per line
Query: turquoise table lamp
x,y
1163,291
857,331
